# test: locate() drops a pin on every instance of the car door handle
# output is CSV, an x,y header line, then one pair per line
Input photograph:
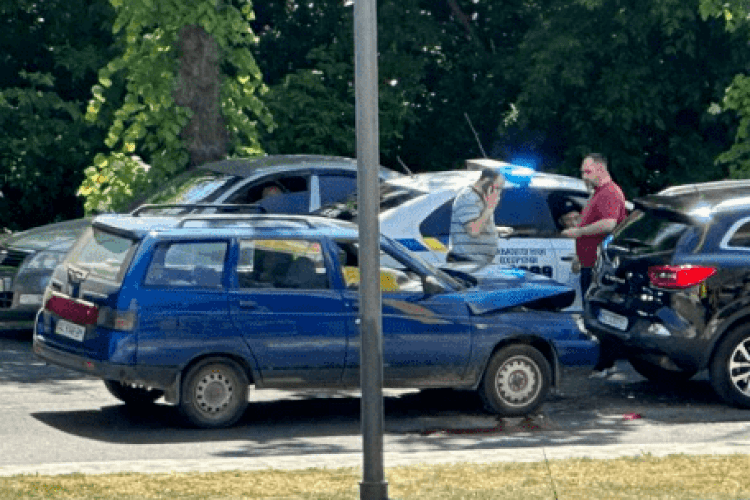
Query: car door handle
x,y
248,304
568,258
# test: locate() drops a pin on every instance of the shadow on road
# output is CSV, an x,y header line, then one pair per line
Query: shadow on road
x,y
581,411
435,419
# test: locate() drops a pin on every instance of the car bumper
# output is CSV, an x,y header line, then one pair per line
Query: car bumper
x,y
663,333
164,378
18,318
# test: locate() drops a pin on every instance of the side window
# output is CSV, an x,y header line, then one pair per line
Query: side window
x,y
526,211
393,277
565,206
279,263
741,237
187,264
438,223
287,194
335,188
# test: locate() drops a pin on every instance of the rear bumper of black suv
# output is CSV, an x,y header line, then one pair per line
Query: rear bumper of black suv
x,y
662,333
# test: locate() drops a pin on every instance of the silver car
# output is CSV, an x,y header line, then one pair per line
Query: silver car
x,y
301,184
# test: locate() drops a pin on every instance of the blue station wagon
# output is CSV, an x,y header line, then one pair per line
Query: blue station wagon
x,y
196,308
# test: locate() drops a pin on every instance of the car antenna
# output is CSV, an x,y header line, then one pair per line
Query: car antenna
x,y
476,136
403,165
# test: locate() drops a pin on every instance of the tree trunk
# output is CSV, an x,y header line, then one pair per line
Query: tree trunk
x,y
198,88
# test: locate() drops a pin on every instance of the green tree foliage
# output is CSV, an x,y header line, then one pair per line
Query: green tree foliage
x,y
439,62
471,80
192,95
51,53
737,97
306,51
634,81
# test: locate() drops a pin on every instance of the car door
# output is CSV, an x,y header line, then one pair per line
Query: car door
x,y
183,310
528,247
562,202
288,314
426,338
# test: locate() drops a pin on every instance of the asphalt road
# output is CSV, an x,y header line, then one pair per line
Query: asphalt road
x,y
53,417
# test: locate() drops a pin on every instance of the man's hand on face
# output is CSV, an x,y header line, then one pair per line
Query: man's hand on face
x,y
493,198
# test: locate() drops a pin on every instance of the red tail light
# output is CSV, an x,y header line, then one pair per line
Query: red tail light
x,y
77,311
679,276
118,320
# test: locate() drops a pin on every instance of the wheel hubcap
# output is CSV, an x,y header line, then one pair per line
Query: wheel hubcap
x,y
213,392
518,381
739,367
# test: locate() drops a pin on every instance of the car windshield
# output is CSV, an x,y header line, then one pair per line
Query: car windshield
x,y
102,254
195,186
645,232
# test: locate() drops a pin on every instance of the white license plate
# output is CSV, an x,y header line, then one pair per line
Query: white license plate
x,y
613,320
70,330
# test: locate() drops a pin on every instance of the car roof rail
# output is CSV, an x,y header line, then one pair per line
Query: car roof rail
x,y
220,207
279,218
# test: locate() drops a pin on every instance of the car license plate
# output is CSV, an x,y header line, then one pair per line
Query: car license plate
x,y
70,330
613,320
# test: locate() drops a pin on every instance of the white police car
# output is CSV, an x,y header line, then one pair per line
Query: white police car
x,y
416,211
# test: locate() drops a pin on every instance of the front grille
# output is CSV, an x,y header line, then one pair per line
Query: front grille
x,y
10,261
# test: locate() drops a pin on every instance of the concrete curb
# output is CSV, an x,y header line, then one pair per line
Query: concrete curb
x,y
292,462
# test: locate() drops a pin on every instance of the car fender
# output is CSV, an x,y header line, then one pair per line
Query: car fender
x,y
722,323
489,340
172,393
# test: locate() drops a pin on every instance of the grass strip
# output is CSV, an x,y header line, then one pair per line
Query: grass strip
x,y
715,477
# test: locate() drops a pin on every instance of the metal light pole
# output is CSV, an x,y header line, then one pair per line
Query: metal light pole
x,y
373,485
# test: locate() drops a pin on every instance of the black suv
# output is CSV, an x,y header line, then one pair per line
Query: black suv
x,y
671,287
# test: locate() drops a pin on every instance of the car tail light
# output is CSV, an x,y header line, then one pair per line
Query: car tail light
x,y
77,311
679,276
119,320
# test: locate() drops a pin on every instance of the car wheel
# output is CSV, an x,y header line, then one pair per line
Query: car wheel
x,y
132,394
516,381
214,393
660,374
730,368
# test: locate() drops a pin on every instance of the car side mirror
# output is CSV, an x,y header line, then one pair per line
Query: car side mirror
x,y
431,285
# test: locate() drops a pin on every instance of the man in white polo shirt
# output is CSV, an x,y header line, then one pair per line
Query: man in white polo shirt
x,y
473,235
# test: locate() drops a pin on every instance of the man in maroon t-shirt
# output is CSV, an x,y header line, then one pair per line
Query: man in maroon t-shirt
x,y
604,210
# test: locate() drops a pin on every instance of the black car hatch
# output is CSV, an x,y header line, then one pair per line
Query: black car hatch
x,y
648,239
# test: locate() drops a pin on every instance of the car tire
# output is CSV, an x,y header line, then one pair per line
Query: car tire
x,y
516,381
214,393
730,368
131,394
658,374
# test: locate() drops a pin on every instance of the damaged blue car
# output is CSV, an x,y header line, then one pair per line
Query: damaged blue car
x,y
198,308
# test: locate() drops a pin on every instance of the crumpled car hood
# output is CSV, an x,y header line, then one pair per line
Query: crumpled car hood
x,y
59,236
502,287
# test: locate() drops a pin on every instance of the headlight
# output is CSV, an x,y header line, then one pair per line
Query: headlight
x,y
46,260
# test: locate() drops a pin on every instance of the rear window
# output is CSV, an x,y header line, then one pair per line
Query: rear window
x,y
104,255
643,232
